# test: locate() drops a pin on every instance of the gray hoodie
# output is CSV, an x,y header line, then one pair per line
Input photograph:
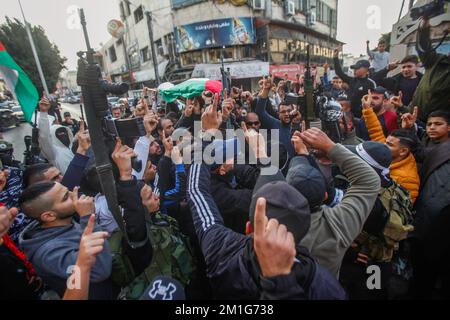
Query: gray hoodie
x,y
333,230
52,251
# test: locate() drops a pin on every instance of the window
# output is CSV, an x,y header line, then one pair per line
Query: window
x,y
122,10
159,47
274,45
214,55
145,54
138,14
127,9
112,54
191,58
282,45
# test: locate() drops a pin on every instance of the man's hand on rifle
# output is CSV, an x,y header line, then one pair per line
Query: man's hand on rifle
x,y
122,157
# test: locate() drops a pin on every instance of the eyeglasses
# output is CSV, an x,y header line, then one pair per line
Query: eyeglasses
x,y
253,123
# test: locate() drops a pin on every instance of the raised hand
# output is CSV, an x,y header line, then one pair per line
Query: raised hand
x,y
91,244
44,103
366,101
83,205
168,144
256,141
299,146
227,106
397,101
84,139
317,139
274,245
211,118
7,217
150,122
122,157
408,119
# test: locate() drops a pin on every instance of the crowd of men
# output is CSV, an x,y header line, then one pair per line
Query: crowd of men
x,y
364,217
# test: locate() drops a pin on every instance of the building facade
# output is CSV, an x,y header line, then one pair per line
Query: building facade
x,y
192,37
404,33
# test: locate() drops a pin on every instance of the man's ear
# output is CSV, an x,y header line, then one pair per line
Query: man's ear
x,y
404,152
48,216
248,228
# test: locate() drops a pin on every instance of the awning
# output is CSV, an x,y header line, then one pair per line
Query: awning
x,y
238,70
149,74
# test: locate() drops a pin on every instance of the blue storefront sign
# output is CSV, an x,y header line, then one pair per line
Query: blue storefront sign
x,y
215,33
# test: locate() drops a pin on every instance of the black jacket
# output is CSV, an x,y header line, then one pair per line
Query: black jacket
x,y
358,87
393,84
234,202
434,193
13,280
228,255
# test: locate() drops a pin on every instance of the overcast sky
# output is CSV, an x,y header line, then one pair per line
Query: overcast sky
x,y
355,23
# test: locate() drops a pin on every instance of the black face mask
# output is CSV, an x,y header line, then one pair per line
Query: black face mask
x,y
63,136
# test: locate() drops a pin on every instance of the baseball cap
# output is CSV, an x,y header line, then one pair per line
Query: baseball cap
x,y
380,90
283,203
308,180
361,64
66,114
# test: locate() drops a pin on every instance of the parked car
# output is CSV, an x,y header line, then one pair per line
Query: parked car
x,y
8,120
7,104
17,111
112,101
74,99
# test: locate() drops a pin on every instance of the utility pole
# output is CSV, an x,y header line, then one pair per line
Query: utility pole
x,y
150,33
125,52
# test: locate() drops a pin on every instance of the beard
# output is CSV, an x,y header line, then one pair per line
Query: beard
x,y
377,109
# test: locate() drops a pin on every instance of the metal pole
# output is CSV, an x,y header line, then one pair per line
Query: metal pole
x,y
33,48
152,44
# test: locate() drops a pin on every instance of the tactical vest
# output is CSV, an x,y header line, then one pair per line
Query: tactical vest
x,y
172,257
397,203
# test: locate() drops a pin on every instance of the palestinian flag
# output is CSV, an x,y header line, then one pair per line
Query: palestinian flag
x,y
191,88
18,82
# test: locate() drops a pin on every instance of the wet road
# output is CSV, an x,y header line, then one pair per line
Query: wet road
x,y
16,135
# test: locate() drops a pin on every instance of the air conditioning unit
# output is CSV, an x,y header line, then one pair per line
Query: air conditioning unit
x,y
290,8
259,4
312,18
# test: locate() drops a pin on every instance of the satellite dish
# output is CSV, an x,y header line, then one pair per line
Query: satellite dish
x,y
116,28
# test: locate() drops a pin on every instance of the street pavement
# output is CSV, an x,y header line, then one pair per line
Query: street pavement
x,y
16,135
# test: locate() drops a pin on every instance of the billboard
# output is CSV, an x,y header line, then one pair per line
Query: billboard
x,y
215,34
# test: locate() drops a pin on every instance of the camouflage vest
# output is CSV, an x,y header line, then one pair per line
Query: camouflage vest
x,y
172,257
397,202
